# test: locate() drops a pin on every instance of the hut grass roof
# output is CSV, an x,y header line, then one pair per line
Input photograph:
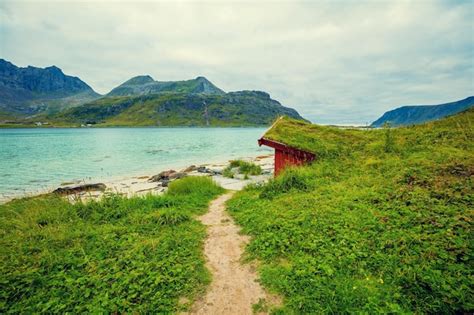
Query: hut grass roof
x,y
317,139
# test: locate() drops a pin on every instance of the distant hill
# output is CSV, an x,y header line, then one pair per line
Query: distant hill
x,y
416,114
143,85
31,90
244,108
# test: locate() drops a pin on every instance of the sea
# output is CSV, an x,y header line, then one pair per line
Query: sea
x,y
37,160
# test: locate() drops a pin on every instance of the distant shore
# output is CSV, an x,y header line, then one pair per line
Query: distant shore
x,y
32,125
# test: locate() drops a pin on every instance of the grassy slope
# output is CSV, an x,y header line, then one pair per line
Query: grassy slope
x,y
383,225
120,255
178,109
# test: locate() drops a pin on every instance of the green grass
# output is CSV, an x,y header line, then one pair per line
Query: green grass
x,y
382,226
243,167
118,255
324,141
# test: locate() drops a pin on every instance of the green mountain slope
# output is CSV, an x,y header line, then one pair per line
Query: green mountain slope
x,y
245,108
380,223
410,115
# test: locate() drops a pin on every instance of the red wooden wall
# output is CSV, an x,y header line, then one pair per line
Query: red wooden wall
x,y
285,155
284,159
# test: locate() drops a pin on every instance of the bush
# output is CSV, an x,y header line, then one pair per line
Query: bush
x,y
292,178
194,185
246,168
389,144
227,172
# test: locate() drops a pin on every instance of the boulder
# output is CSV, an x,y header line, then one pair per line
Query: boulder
x,y
190,169
216,170
177,175
161,176
80,188
202,169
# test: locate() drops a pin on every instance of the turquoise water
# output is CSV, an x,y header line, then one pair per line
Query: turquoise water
x,y
33,160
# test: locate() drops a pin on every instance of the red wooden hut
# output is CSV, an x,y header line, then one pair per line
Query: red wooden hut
x,y
286,155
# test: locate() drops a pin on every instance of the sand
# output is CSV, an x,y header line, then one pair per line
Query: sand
x,y
234,287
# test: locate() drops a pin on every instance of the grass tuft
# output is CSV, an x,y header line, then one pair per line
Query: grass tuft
x,y
243,167
291,179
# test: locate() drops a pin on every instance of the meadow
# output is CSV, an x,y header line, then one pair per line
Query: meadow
x,y
381,222
117,255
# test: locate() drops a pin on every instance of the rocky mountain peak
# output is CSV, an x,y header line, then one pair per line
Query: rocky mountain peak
x,y
139,79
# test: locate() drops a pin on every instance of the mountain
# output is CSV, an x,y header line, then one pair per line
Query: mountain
x,y
243,108
31,90
417,114
143,85
32,94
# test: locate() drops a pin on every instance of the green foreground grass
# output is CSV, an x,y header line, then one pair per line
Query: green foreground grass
x,y
380,223
118,255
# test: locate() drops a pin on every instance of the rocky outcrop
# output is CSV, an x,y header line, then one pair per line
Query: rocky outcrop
x,y
144,84
30,90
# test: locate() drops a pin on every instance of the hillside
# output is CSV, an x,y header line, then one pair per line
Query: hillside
x,y
381,222
244,108
416,114
31,90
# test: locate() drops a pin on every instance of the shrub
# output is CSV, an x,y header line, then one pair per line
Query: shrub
x,y
194,185
292,178
227,172
389,144
246,168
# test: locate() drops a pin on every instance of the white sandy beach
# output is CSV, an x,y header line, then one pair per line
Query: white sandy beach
x,y
141,185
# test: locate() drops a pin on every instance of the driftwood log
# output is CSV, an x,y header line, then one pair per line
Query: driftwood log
x,y
80,188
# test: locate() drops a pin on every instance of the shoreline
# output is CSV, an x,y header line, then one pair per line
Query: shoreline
x,y
139,184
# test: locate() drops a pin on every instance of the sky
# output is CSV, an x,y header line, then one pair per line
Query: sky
x,y
335,62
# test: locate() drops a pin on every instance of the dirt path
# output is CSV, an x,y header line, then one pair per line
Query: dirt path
x,y
234,288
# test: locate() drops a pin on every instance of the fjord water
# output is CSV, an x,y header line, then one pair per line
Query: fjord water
x,y
33,160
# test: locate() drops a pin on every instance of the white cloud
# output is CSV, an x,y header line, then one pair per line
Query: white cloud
x,y
335,62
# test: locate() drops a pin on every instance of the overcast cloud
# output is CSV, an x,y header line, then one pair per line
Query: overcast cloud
x,y
335,62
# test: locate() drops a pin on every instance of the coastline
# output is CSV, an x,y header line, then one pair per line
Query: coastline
x,y
139,185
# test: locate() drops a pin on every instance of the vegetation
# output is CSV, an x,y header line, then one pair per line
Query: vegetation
x,y
118,255
381,222
242,167
177,109
324,141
